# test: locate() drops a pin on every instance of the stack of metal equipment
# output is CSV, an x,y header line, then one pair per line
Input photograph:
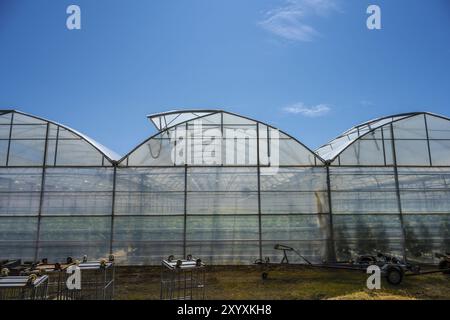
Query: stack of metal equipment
x,y
31,287
183,279
97,279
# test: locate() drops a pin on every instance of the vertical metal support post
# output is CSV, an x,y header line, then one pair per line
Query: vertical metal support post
x,y
185,212
259,192
397,189
113,209
9,140
41,196
186,159
331,245
428,139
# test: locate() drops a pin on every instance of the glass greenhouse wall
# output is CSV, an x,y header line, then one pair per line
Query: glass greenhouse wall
x,y
225,188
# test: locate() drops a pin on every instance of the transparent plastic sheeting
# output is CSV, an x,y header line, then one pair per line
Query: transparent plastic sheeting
x,y
383,185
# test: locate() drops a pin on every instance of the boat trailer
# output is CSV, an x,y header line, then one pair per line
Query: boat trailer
x,y
392,268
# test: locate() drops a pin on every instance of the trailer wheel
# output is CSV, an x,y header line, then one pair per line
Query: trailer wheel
x,y
264,275
394,276
444,265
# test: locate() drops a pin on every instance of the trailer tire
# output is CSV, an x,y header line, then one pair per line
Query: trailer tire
x,y
444,265
394,276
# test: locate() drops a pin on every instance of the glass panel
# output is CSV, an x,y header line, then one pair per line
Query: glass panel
x,y
412,152
17,238
222,202
78,153
5,118
74,237
438,128
410,128
217,228
425,201
362,179
240,151
20,180
155,152
52,131
295,179
294,202
148,240
440,152
150,203
222,179
364,152
73,191
168,228
150,179
292,153
5,131
280,229
364,202
232,119
26,152
17,229
76,179
3,152
426,235
51,150
366,234
425,179
205,151
77,203
66,134
29,132
24,119
13,203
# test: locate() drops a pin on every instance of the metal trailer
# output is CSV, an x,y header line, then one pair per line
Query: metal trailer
x,y
183,279
23,287
392,268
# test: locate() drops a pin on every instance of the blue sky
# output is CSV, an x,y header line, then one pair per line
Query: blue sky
x,y
309,67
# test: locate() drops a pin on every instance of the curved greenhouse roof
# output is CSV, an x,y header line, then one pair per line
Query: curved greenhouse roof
x,y
30,134
237,136
417,138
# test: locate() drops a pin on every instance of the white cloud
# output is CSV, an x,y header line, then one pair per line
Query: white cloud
x,y
291,21
367,103
311,112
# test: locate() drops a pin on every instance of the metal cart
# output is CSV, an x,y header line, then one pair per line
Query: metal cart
x,y
183,279
97,282
97,279
23,287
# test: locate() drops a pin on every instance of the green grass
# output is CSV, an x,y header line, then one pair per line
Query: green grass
x,y
284,282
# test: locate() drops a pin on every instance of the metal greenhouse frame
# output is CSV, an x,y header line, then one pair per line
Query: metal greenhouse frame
x,y
381,185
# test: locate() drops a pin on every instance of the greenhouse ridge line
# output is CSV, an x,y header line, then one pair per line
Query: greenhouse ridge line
x,y
115,158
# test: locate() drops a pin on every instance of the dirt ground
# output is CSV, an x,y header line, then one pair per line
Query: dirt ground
x,y
284,282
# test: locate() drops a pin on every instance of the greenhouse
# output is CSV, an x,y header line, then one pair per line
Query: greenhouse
x,y
225,188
